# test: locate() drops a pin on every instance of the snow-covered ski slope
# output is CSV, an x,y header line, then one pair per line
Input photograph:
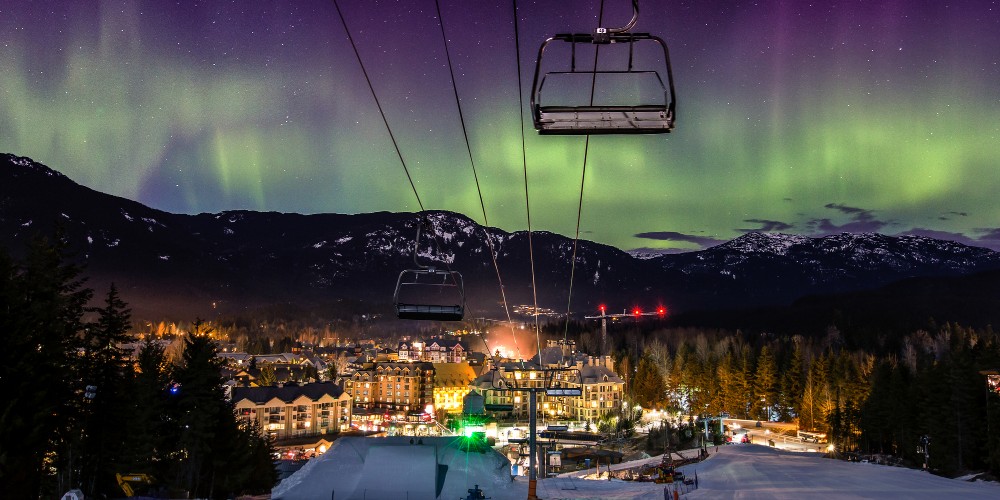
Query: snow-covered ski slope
x,y
758,472
744,472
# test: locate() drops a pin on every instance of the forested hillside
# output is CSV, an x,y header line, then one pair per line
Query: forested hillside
x,y
869,400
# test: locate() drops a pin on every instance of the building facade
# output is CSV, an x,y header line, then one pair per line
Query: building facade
x,y
451,385
433,351
392,388
602,389
294,411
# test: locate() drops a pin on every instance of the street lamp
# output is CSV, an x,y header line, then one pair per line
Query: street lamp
x,y
993,386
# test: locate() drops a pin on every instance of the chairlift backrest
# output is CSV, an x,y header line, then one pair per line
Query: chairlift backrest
x,y
649,116
430,294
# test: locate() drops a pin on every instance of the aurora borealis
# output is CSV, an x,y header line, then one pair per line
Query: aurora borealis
x,y
812,119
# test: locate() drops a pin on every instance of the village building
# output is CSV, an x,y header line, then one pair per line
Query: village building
x,y
294,411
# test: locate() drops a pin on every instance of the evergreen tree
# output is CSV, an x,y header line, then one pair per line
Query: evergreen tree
x,y
791,387
728,394
810,407
267,377
650,392
242,459
749,403
41,313
198,407
766,383
876,413
104,363
147,431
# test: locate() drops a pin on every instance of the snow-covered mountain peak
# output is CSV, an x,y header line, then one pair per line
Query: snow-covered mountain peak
x,y
30,164
764,243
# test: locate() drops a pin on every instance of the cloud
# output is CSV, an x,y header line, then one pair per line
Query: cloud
x,y
862,221
659,251
860,213
948,215
767,225
702,241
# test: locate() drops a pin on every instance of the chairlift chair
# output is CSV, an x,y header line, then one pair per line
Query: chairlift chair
x,y
655,117
428,293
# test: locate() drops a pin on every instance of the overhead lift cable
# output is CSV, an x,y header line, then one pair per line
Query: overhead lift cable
x,y
378,105
410,279
527,199
475,175
583,174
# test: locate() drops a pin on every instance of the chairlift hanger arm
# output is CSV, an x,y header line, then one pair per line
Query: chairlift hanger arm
x,y
423,224
623,29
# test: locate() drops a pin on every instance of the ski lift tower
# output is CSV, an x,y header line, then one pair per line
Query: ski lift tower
x,y
554,386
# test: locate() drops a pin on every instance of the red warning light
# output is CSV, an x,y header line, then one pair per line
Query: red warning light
x,y
602,308
637,311
661,311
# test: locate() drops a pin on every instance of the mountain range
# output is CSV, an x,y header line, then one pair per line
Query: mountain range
x,y
325,265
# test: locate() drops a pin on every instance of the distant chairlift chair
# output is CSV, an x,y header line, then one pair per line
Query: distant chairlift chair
x,y
610,118
429,293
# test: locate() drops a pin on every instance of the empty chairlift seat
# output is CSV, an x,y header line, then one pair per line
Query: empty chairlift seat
x,y
430,294
636,98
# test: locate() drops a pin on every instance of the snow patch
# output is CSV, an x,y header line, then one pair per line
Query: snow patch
x,y
433,467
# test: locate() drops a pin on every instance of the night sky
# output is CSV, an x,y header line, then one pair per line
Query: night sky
x,y
799,117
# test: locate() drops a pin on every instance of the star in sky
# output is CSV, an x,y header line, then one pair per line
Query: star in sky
x,y
806,118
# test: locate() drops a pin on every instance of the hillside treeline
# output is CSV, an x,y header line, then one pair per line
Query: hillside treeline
x,y
76,410
867,401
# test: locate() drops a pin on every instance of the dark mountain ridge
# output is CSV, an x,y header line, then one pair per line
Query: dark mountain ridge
x,y
178,265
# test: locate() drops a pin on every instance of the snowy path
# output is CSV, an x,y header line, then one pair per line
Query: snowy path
x,y
757,472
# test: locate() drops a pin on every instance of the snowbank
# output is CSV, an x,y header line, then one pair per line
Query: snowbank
x,y
758,472
392,467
